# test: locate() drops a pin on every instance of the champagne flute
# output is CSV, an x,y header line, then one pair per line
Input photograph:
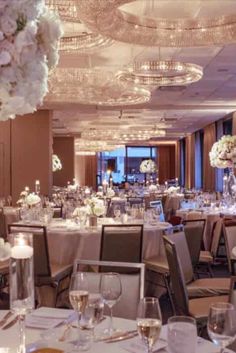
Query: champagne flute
x,y
149,321
78,295
110,289
221,325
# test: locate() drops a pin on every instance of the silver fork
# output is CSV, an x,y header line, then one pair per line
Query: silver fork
x,y
5,318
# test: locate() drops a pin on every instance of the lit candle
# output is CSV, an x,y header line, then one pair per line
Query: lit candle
x,y
111,182
68,182
74,181
157,180
87,191
37,186
27,189
21,250
37,182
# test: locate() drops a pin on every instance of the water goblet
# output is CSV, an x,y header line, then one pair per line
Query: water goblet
x,y
110,289
182,334
78,295
149,321
221,324
117,212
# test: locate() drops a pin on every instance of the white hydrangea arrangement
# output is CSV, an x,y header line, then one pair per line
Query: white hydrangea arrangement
x,y
96,207
223,152
173,190
29,41
56,163
28,199
147,166
110,192
152,188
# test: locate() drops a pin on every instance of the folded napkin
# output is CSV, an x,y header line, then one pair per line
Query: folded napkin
x,y
135,345
46,318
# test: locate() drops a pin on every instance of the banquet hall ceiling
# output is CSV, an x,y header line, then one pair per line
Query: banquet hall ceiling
x,y
179,109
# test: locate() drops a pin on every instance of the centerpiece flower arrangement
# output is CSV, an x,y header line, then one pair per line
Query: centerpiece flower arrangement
x,y
29,199
173,190
56,163
223,152
147,166
29,41
92,207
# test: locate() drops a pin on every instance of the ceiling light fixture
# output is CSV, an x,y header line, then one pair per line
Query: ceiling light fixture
x,y
172,23
93,86
161,73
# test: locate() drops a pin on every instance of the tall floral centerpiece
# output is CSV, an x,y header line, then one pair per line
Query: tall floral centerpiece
x,y
148,166
56,163
223,155
29,40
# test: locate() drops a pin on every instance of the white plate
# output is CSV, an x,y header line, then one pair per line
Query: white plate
x,y
42,344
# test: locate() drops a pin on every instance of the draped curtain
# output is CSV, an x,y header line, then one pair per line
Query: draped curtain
x,y
182,162
208,171
190,161
219,172
198,161
91,171
166,163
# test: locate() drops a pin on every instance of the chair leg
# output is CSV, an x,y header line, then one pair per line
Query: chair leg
x,y
166,279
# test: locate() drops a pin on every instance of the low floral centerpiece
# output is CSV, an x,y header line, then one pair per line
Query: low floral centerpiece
x,y
223,152
173,190
28,199
92,209
147,166
29,42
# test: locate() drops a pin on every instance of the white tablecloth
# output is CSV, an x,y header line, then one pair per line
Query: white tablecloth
x,y
67,244
10,339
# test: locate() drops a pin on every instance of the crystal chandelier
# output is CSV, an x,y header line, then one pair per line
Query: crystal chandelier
x,y
93,86
76,36
166,23
161,73
122,136
84,145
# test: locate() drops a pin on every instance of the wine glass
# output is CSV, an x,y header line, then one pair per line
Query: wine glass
x,y
78,295
149,321
110,289
221,325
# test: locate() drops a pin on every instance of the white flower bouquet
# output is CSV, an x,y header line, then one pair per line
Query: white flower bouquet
x,y
29,40
96,207
147,166
152,188
223,152
173,190
32,199
110,192
56,163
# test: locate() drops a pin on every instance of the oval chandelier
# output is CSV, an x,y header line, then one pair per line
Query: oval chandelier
x,y
84,145
93,86
166,23
161,73
78,38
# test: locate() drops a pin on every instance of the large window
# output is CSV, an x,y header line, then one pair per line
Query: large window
x,y
124,163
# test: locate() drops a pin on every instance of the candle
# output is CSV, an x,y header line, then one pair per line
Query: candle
x,y
37,186
21,250
68,182
157,180
111,182
74,181
104,186
37,182
87,191
27,189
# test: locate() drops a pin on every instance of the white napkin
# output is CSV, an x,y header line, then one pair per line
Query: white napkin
x,y
135,345
46,318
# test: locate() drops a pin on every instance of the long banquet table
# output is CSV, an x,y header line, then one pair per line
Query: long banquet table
x,y
10,340
67,241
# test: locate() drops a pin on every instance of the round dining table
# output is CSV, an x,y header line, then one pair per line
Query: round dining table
x,y
41,338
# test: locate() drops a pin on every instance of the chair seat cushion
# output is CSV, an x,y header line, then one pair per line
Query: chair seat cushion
x,y
157,264
207,287
199,308
60,271
205,256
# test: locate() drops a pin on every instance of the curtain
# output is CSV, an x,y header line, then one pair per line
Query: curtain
x,y
182,162
208,171
198,161
166,163
177,160
91,171
219,172
190,162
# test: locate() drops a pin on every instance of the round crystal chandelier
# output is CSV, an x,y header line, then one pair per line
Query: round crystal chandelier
x,y
93,86
166,23
161,73
122,136
76,36
82,145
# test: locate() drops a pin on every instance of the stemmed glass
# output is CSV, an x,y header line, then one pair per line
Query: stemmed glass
x,y
78,295
117,212
110,289
149,321
221,325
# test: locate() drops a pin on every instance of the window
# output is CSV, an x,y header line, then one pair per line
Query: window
x,y
124,163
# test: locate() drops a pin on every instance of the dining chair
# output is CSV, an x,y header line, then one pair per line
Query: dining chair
x,y
157,204
7,217
194,230
208,258
198,307
135,200
132,282
122,243
229,231
51,280
201,287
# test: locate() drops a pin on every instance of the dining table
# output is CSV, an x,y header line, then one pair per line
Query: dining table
x,y
68,241
39,334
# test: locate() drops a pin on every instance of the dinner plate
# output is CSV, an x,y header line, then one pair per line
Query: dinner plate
x,y
63,347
